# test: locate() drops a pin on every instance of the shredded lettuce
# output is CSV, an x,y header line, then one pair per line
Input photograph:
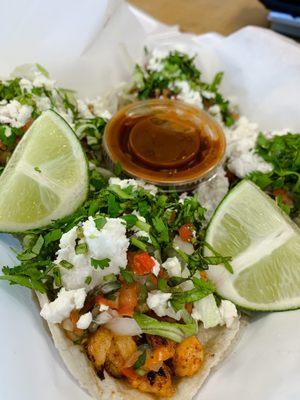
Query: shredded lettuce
x,y
174,331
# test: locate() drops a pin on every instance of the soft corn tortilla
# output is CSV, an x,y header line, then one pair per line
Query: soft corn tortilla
x,y
217,343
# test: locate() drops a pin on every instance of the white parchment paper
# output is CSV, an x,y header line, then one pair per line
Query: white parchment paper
x,y
91,46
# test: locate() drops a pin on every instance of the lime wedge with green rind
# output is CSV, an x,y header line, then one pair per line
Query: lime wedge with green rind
x,y
265,248
46,177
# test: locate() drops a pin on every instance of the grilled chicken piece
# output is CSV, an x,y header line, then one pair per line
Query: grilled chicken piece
x,y
188,358
158,383
121,349
98,347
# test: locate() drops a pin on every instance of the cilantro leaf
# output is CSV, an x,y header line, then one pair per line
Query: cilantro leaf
x,y
283,182
128,276
203,289
102,264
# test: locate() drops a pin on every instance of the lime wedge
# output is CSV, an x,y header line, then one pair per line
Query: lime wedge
x,y
265,248
46,177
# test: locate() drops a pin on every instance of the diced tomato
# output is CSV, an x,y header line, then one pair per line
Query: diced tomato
x,y
186,232
203,275
129,373
141,263
100,300
128,299
286,198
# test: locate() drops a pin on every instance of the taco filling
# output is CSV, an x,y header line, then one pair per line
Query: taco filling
x,y
129,285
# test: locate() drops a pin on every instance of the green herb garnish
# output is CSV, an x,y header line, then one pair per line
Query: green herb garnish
x,y
141,360
81,248
102,264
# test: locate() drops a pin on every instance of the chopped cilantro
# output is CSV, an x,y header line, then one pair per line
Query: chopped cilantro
x,y
128,276
52,236
162,285
102,264
113,206
130,220
81,248
141,360
66,264
283,182
117,169
57,277
203,289
138,243
37,247
100,222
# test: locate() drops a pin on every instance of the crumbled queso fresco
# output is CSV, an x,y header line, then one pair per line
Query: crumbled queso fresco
x,y
61,307
110,242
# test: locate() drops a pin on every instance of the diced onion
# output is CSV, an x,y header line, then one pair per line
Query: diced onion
x,y
187,247
124,326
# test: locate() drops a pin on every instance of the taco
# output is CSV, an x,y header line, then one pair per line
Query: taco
x,y
130,309
217,343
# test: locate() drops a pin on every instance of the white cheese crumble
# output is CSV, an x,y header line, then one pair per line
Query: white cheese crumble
x,y
103,307
83,109
187,94
103,107
15,114
85,321
182,198
26,84
109,242
173,267
41,80
212,191
159,303
43,103
241,143
135,183
66,301
215,111
228,312
208,95
271,134
155,61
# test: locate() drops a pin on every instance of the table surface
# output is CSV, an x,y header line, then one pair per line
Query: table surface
x,y
199,16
